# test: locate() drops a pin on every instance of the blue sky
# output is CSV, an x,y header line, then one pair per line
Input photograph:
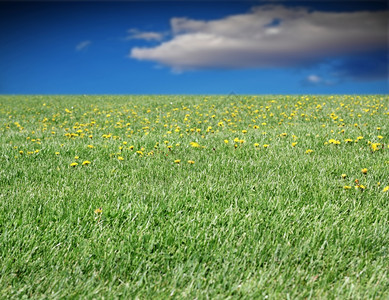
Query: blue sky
x,y
184,47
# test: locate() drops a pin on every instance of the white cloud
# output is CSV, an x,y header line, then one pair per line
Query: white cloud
x,y
267,36
314,78
144,35
83,45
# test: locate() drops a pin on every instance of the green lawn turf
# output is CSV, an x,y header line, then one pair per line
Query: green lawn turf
x,y
253,215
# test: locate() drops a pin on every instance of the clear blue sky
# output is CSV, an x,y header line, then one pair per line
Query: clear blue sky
x,y
182,47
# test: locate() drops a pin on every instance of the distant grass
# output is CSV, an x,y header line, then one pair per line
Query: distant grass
x,y
243,221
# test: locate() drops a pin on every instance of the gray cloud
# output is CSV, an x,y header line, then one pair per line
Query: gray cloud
x,y
83,45
268,36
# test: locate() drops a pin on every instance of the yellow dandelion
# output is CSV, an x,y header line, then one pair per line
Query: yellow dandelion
x,y
294,144
195,145
347,187
226,141
360,186
343,176
191,162
309,151
265,146
364,171
86,162
385,189
56,153
177,161
256,145
375,146
98,210
90,146
74,164
120,158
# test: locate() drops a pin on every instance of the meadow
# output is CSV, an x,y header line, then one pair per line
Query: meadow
x,y
220,197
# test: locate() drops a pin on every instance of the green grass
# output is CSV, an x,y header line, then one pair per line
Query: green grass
x,y
241,222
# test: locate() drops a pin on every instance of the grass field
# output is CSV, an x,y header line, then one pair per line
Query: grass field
x,y
267,197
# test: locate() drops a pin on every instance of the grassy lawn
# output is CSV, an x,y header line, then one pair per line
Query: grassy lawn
x,y
267,197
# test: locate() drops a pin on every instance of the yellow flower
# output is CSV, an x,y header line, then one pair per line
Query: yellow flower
x,y
226,141
375,146
265,146
120,158
98,210
244,131
56,153
294,144
74,164
334,142
177,161
256,145
191,162
385,189
360,186
380,137
344,176
195,145
347,187
308,151
86,162
76,157
364,171
90,146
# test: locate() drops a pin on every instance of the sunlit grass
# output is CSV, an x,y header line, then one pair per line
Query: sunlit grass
x,y
194,196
